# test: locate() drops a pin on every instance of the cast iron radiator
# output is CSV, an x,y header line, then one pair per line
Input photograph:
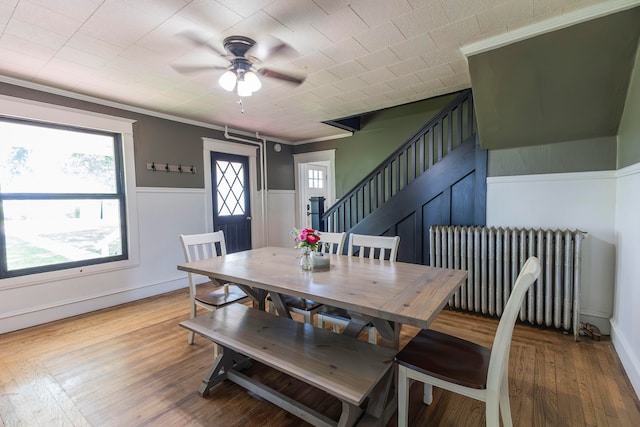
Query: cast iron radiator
x,y
493,258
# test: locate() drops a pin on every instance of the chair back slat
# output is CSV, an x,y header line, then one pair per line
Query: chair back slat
x,y
374,247
331,243
197,247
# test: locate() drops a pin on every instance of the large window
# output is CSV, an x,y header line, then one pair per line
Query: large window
x,y
62,197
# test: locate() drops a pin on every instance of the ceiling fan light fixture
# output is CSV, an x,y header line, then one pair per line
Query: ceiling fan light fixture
x,y
228,80
242,53
252,81
244,88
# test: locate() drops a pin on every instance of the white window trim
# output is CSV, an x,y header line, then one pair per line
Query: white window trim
x,y
55,114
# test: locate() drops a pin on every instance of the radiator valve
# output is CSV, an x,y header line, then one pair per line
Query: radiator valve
x,y
587,329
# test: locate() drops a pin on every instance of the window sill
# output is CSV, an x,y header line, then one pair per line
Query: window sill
x,y
68,274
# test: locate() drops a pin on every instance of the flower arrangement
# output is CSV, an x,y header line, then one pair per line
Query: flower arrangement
x,y
306,238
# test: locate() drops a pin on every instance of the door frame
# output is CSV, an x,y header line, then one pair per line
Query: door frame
x,y
328,156
210,145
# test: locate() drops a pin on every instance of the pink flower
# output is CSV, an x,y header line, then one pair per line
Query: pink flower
x,y
313,238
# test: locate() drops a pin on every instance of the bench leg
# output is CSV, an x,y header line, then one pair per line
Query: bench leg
x,y
216,374
381,395
350,414
223,362
285,402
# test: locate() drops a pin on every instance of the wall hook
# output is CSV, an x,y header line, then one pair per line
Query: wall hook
x,y
170,168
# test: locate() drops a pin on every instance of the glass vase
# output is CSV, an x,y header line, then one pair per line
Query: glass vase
x,y
306,259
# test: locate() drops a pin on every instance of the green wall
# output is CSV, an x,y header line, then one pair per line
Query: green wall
x,y
165,141
162,140
280,167
565,85
596,154
382,132
629,130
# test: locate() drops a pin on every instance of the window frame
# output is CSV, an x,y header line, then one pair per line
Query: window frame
x,y
64,117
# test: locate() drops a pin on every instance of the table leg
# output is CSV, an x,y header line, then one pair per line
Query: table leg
x,y
389,331
259,296
354,327
280,307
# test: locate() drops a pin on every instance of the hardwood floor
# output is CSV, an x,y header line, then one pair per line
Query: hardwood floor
x,y
131,365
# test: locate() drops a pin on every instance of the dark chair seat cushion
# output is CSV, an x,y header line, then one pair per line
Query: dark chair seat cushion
x,y
336,313
299,303
209,293
447,357
339,314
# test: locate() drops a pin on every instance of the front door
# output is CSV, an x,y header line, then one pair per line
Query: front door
x,y
231,199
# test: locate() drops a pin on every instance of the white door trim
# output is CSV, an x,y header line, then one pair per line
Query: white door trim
x,y
314,156
213,145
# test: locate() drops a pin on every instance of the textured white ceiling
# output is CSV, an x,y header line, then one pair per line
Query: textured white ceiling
x,y
359,55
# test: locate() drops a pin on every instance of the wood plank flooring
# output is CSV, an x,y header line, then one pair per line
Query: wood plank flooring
x,y
131,366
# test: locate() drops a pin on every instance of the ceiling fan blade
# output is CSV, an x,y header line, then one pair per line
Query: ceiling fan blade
x,y
263,52
197,40
187,69
290,78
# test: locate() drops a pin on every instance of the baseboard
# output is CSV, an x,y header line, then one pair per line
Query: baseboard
x,y
33,316
626,354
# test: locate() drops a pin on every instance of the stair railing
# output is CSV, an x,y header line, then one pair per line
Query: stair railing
x,y
441,135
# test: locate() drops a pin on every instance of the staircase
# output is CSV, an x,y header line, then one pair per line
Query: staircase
x,y
437,177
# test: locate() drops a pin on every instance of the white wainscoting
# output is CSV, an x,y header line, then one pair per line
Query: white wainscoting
x,y
625,333
281,217
583,201
163,214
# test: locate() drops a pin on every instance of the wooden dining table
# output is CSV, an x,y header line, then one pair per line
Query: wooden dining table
x,y
385,294
389,294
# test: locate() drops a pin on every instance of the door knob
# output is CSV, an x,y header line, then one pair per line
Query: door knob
x,y
248,218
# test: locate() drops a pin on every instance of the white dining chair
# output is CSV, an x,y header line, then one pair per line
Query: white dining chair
x,y
330,243
372,247
208,294
463,367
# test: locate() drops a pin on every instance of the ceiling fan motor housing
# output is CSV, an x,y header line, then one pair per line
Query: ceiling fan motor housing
x,y
238,45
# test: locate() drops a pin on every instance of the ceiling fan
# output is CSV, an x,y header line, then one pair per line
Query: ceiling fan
x,y
243,54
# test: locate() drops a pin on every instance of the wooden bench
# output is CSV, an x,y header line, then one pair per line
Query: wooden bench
x,y
349,369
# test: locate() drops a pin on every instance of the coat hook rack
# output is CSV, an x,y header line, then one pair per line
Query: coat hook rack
x,y
166,167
